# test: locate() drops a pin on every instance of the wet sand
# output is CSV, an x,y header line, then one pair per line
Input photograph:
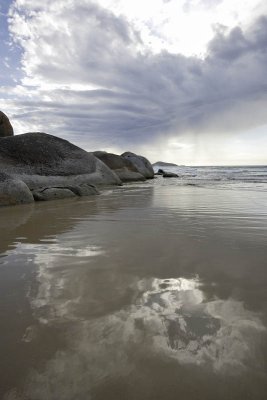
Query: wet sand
x,y
144,292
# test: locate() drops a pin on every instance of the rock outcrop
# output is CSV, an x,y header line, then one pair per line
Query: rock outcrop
x,y
5,126
169,175
38,166
166,174
51,167
142,165
13,191
123,167
40,159
160,172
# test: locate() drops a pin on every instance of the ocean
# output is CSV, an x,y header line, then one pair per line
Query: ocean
x,y
241,177
153,290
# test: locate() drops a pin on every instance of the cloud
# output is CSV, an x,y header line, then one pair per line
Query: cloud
x,y
238,44
192,4
88,77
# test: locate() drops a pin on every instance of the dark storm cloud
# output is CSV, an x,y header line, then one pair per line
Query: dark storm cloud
x,y
142,96
238,44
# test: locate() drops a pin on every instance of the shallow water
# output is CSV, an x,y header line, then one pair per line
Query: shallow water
x,y
150,291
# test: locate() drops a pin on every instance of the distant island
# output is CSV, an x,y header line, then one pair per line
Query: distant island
x,y
163,164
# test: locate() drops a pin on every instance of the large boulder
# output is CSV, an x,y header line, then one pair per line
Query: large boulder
x,y
50,168
123,167
13,191
142,165
5,126
42,160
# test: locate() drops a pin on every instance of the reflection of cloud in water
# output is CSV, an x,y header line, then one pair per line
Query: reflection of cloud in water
x,y
58,287
59,281
170,320
183,326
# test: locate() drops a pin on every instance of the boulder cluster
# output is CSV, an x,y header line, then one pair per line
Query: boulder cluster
x,y
37,166
128,166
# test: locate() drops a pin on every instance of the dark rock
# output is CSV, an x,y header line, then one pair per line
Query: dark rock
x,y
124,168
99,153
85,189
52,193
13,191
142,165
170,175
5,126
43,194
42,160
166,174
114,161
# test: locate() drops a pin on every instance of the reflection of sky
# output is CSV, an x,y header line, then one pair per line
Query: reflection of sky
x,y
170,319
113,320
171,314
167,319
185,327
56,264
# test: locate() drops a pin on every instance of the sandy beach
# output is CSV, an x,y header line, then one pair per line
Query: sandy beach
x,y
149,291
133,200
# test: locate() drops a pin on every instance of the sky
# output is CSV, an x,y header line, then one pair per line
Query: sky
x,y
183,81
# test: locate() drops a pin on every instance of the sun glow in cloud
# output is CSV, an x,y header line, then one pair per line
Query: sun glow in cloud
x,y
172,77
184,27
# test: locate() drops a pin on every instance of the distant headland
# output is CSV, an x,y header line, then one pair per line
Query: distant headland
x,y
164,164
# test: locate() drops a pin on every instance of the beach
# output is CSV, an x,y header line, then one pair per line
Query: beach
x,y
152,290
133,200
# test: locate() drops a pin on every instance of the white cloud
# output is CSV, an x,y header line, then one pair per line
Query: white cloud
x,y
185,26
90,69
